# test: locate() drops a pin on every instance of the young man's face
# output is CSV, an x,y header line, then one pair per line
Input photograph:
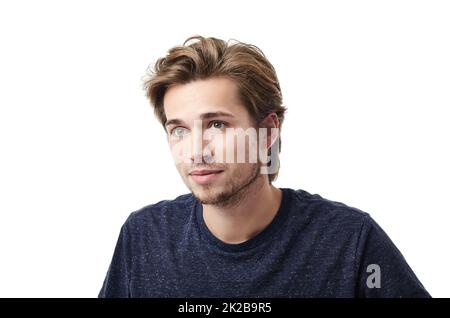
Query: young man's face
x,y
198,115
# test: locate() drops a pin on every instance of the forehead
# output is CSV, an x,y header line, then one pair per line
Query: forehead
x,y
202,96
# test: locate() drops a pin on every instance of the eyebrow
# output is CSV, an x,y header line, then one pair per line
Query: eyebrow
x,y
203,116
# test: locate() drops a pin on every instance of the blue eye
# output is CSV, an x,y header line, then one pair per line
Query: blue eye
x,y
217,124
178,131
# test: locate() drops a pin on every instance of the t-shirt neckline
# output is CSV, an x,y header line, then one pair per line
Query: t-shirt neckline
x,y
263,236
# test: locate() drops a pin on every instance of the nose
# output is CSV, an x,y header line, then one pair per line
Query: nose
x,y
201,150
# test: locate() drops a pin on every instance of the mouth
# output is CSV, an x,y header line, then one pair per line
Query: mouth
x,y
205,176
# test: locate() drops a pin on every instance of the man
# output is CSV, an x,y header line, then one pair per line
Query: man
x,y
235,234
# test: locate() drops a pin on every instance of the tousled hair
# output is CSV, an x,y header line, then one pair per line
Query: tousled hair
x,y
201,58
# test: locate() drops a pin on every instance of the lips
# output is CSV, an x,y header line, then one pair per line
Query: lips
x,y
205,176
204,172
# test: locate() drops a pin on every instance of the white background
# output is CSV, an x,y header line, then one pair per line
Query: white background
x,y
366,84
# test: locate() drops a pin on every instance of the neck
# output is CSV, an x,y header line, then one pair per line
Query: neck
x,y
246,218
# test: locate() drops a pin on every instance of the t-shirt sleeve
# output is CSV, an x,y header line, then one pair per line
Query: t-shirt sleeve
x,y
116,283
382,271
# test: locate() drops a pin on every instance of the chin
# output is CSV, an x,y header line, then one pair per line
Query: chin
x,y
206,194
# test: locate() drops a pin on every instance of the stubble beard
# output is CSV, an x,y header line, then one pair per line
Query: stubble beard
x,y
234,191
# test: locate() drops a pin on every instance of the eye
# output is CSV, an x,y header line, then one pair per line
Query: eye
x,y
178,131
217,124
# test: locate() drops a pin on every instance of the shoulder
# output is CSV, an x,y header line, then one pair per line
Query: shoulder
x,y
162,211
328,214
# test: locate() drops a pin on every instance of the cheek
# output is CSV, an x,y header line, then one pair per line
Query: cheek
x,y
228,142
228,147
224,146
244,147
180,150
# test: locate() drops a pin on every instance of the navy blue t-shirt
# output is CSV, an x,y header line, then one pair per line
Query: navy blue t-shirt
x,y
313,247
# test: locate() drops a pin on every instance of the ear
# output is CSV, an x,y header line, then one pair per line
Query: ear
x,y
271,121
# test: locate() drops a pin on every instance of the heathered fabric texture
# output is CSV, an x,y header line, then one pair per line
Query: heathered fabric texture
x,y
314,247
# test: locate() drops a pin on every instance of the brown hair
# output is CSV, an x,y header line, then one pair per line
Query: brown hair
x,y
245,64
